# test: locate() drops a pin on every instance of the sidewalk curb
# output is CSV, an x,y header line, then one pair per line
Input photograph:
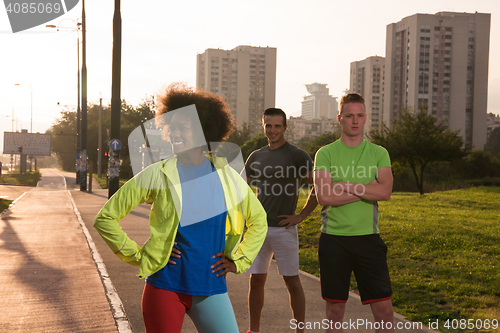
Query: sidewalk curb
x,y
13,202
17,199
114,300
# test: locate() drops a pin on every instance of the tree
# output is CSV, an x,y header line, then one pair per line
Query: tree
x,y
131,117
417,139
311,147
64,138
240,135
63,141
493,142
257,142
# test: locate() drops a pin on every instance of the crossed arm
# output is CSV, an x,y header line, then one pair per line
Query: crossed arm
x,y
340,193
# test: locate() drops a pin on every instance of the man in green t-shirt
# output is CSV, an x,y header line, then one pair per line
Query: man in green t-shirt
x,y
351,175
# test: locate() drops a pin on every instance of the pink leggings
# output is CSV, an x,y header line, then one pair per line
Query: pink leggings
x,y
164,311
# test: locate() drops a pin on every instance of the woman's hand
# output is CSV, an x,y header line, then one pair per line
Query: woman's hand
x,y
176,253
223,264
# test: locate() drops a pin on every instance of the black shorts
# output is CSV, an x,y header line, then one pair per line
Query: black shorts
x,y
366,256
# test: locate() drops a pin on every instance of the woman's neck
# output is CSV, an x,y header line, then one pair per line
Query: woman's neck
x,y
191,157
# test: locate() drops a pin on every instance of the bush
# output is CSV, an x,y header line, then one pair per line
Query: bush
x,y
479,168
488,181
480,164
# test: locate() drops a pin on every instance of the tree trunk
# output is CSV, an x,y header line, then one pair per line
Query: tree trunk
x,y
419,182
421,185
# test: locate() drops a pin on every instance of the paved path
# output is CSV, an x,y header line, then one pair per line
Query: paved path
x,y
51,282
48,279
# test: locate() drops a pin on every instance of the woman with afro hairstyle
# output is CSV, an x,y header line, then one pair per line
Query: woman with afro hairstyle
x,y
201,209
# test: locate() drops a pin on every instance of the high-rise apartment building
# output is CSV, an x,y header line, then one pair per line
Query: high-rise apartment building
x,y
319,104
440,61
493,121
245,76
298,128
367,79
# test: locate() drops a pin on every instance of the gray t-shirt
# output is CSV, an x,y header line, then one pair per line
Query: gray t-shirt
x,y
277,175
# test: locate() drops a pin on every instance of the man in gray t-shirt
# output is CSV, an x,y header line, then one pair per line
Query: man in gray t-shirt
x,y
277,175
277,171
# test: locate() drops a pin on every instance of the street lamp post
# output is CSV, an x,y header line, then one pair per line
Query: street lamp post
x,y
12,117
77,28
12,155
17,121
31,120
99,145
31,90
114,182
83,172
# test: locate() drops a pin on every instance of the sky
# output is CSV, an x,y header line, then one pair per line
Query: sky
x,y
316,41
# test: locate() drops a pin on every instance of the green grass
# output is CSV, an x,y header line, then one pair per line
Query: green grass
x,y
444,251
103,183
15,178
4,204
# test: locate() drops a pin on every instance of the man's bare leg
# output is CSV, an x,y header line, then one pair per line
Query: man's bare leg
x,y
382,311
297,299
335,314
256,300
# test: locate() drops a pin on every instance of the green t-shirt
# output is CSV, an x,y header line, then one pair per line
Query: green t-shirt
x,y
356,165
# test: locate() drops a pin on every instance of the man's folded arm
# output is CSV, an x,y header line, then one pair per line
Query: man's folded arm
x,y
329,193
379,190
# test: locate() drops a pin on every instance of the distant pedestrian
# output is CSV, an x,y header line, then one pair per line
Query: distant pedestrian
x,y
277,171
351,175
201,206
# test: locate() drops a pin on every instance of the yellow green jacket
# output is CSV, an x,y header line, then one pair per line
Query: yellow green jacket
x,y
160,183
